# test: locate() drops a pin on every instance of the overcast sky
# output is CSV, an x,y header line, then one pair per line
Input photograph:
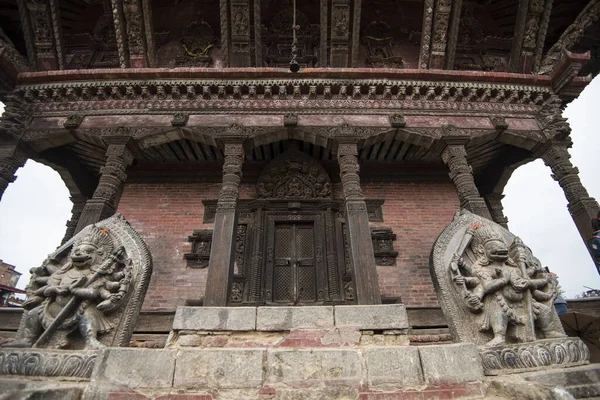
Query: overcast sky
x,y
35,209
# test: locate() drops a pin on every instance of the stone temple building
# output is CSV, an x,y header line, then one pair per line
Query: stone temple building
x,y
278,154
256,185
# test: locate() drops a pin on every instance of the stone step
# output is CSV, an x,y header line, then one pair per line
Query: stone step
x,y
376,373
582,382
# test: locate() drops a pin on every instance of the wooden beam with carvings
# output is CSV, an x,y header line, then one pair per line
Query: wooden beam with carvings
x,y
43,33
356,32
135,22
425,52
323,39
224,19
258,58
240,33
340,33
121,33
533,34
453,33
515,61
571,37
441,22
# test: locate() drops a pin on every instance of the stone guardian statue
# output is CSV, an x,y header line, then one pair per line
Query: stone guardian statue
x,y
87,294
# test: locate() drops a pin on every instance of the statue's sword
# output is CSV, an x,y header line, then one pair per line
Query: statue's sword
x,y
75,301
454,264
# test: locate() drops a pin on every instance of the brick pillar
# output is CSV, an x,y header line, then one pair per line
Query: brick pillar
x,y
222,252
106,197
362,262
494,203
582,207
11,159
455,156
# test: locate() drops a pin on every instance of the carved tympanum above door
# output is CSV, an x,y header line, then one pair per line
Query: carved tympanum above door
x,y
295,176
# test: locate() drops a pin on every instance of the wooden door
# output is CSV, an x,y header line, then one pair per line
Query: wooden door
x,y
294,267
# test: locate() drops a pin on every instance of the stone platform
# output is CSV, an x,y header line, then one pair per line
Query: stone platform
x,y
333,326
283,353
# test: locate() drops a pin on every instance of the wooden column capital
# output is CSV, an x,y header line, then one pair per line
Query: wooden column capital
x,y
454,156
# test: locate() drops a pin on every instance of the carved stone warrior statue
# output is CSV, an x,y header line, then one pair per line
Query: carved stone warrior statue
x,y
89,297
495,289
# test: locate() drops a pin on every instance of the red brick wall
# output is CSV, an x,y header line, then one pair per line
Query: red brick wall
x,y
417,214
166,214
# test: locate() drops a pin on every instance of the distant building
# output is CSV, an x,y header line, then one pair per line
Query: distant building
x,y
8,282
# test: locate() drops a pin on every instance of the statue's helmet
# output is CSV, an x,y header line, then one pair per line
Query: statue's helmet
x,y
489,240
97,237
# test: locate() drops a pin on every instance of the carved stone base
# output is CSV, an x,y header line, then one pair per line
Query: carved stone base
x,y
47,363
533,356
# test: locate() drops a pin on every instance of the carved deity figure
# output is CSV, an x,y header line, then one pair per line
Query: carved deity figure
x,y
77,296
506,287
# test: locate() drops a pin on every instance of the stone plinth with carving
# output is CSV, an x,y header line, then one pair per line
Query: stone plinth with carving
x,y
496,294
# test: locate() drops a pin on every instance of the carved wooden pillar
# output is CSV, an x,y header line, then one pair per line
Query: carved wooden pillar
x,y
11,159
255,295
222,252
340,33
582,207
41,24
78,206
441,23
240,33
455,156
106,197
357,222
494,203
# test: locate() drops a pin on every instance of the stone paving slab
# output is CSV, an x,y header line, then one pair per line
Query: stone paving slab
x,y
371,317
288,318
215,318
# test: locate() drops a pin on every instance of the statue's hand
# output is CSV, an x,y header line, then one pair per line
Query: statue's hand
x,y
55,291
459,280
474,302
520,284
79,283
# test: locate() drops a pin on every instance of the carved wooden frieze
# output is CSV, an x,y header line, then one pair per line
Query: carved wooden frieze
x,y
294,176
383,246
317,95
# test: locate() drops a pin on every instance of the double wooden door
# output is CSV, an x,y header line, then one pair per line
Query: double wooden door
x,y
294,266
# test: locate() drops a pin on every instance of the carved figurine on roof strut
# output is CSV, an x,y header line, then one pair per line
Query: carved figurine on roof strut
x,y
91,295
